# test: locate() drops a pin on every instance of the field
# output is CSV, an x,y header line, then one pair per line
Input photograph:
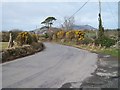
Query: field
x,y
108,33
3,45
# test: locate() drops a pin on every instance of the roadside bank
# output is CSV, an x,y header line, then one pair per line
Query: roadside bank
x,y
21,51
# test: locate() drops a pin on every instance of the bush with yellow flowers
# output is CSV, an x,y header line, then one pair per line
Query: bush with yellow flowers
x,y
70,34
26,38
79,35
34,37
60,34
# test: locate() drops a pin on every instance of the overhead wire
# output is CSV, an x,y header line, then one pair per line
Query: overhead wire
x,y
79,9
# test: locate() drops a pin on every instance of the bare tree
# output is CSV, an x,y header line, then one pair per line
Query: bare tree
x,y
68,23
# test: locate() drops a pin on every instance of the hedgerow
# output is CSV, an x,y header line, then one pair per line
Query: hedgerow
x,y
26,38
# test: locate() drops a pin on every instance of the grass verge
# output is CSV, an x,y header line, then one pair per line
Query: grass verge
x,y
3,45
109,51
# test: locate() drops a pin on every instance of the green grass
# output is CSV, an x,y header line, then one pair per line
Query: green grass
x,y
111,51
3,45
91,34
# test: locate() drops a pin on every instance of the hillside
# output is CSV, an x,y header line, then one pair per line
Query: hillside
x,y
83,27
75,27
45,29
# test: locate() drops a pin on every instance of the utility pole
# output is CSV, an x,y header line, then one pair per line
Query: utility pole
x,y
10,44
101,29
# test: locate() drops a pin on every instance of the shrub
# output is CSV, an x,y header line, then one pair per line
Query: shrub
x,y
70,35
46,35
105,41
21,51
26,38
79,35
4,36
86,41
34,37
60,34
37,46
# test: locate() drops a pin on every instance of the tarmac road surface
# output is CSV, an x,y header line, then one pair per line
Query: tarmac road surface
x,y
51,68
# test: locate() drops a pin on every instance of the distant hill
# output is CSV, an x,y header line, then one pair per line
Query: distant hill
x,y
83,27
44,29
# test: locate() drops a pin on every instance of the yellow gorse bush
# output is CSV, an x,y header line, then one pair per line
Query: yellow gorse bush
x,y
26,38
72,34
75,34
60,34
79,35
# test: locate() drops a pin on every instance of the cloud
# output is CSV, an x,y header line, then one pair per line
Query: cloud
x,y
28,15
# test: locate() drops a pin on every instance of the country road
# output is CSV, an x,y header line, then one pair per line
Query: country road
x,y
51,68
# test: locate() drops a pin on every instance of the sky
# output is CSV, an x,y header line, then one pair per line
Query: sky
x,y
29,15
